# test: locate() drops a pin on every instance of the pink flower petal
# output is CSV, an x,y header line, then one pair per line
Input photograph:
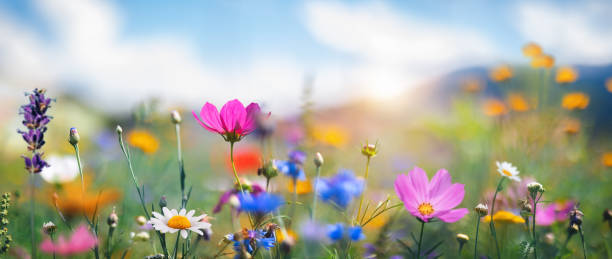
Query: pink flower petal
x,y
232,113
453,215
248,125
419,182
405,192
47,246
210,117
439,183
545,216
450,198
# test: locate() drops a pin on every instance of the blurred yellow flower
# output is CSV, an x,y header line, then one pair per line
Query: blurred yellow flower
x,y
70,200
518,102
503,216
303,187
532,49
501,73
143,140
280,237
566,75
472,85
575,100
494,107
571,126
543,61
331,135
609,84
606,159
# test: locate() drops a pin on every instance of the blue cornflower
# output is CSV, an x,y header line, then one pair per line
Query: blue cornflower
x,y
260,203
340,189
339,231
297,156
290,168
253,239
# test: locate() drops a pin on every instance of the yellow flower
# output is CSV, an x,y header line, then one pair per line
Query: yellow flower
x,y
280,237
494,107
606,159
71,201
571,126
472,85
532,49
543,61
609,84
503,216
331,135
566,75
303,187
501,73
575,100
143,140
518,103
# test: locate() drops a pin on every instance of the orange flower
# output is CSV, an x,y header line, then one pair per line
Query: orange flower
x,y
609,84
246,159
280,237
518,103
606,159
566,75
501,73
472,85
494,107
503,216
575,100
70,200
532,49
543,61
143,140
571,126
303,187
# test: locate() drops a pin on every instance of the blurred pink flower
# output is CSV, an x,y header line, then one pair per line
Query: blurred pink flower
x,y
431,199
80,241
234,122
557,211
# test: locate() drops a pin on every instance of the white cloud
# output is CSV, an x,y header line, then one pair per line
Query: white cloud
x,y
573,32
393,51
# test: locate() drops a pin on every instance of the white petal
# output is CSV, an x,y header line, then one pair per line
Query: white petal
x,y
157,215
182,212
166,211
174,212
190,213
172,230
197,231
184,233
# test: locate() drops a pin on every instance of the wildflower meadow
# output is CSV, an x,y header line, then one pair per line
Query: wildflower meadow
x,y
507,160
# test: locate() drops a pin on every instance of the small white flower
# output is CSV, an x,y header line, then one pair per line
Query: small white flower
x,y
508,170
173,221
535,187
61,169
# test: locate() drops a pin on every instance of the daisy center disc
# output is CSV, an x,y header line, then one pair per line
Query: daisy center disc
x,y
179,222
506,172
426,209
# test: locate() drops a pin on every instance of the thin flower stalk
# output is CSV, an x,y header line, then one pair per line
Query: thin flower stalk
x,y
177,129
476,239
315,197
492,222
367,169
420,239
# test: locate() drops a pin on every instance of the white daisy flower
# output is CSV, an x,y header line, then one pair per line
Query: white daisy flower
x,y
61,169
173,221
508,170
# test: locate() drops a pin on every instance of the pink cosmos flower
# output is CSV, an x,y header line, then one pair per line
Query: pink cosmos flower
x,y
431,199
234,121
80,241
557,211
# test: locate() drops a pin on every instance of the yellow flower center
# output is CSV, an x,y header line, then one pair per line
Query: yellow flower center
x,y
506,172
179,222
426,209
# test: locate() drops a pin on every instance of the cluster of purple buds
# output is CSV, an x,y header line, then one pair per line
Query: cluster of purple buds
x,y
35,120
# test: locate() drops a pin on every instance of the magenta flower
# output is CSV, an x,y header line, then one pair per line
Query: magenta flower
x,y
557,211
234,121
81,241
431,199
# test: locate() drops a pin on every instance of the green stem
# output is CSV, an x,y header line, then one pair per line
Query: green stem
x,y
420,239
177,129
584,253
535,240
295,197
315,196
109,241
476,241
234,167
178,235
32,208
492,222
90,222
365,182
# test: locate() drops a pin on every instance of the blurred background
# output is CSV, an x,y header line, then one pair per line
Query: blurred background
x,y
458,84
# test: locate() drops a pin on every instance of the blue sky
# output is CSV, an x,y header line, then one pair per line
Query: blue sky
x,y
127,51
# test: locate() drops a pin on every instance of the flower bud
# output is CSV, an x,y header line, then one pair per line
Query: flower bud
x,y
49,228
481,209
163,202
607,215
573,229
535,187
526,208
141,220
268,170
318,159
369,150
119,130
175,116
549,238
462,238
112,219
142,236
74,137
576,216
